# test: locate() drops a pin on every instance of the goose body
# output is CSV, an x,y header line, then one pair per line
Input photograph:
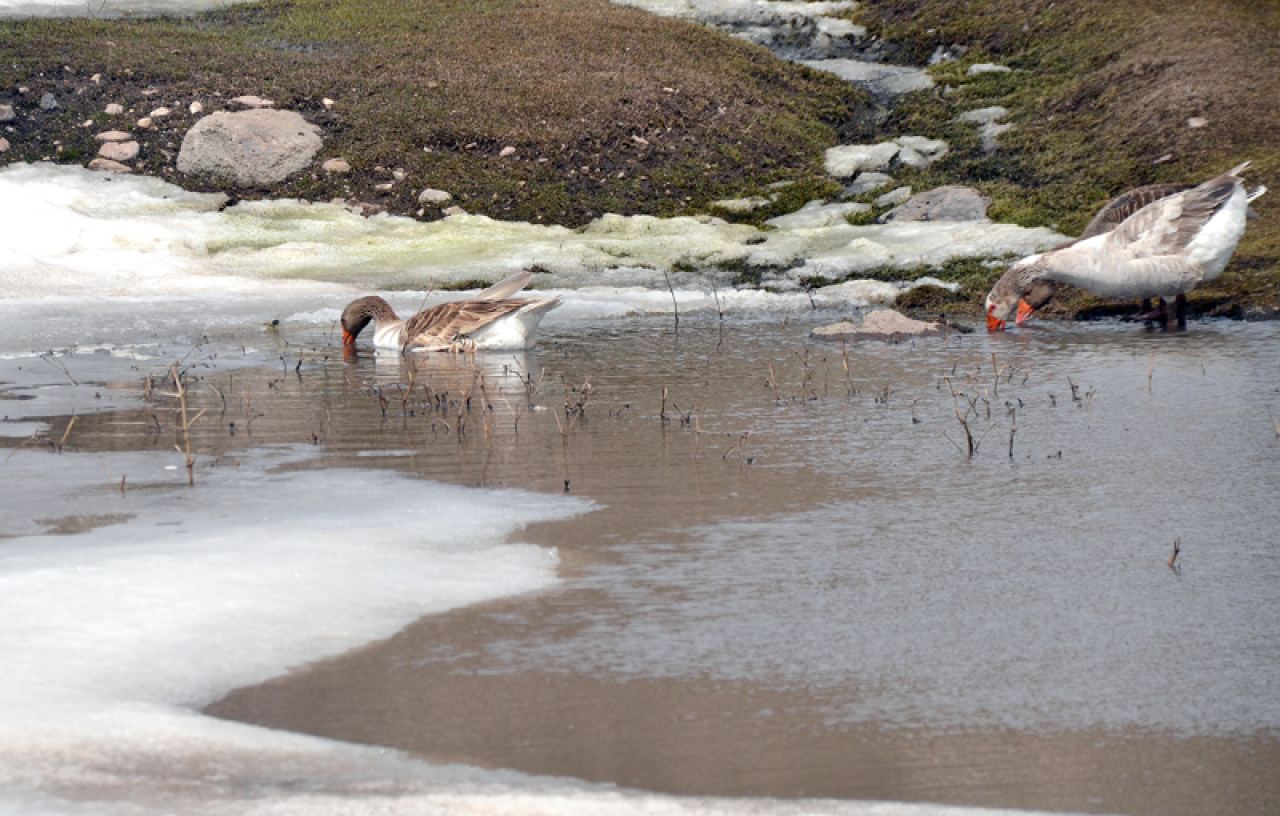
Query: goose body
x,y
493,320
1156,242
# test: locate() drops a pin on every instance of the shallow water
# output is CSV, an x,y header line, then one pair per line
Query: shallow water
x,y
794,585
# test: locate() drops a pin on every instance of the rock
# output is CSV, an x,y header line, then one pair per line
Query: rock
x,y
195,107
893,197
383,188
950,203
114,136
846,160
250,147
144,122
883,324
866,182
327,102
48,102
883,81
816,215
507,151
114,109
987,68
1197,122
119,151
109,166
159,113
96,79
430,196
7,113
337,165
251,102
4,144
448,211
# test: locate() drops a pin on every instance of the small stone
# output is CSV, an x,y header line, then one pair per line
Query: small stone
x,y
430,196
114,109
399,174
984,116
327,102
1197,122
114,136
336,165
7,113
894,197
96,79
507,151
144,122
4,144
159,113
250,101
119,151
48,102
107,165
195,107
383,187
455,210
87,123
23,89
151,92
866,182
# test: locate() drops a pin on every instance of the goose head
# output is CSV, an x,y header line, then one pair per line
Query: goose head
x,y
1005,300
358,314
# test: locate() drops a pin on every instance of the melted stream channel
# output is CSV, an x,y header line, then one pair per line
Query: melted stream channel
x,y
797,582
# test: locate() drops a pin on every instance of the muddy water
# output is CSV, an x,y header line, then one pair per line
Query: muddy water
x,y
797,582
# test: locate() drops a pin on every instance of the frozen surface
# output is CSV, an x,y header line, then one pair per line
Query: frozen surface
x,y
76,232
111,8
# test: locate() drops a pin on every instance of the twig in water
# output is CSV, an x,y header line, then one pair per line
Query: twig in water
x,y
1013,428
66,433
1173,559
56,363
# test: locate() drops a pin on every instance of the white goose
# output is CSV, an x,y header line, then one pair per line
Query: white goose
x,y
1167,247
491,320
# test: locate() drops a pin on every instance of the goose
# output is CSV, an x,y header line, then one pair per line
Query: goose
x,y
491,320
1108,218
1155,242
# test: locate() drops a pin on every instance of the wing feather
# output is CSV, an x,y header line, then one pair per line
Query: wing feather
x,y
504,289
443,324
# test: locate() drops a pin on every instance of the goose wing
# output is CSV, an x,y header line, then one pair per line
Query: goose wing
x,y
504,289
441,325
1166,226
1123,206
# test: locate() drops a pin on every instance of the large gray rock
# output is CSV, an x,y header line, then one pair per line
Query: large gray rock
x,y
950,203
251,147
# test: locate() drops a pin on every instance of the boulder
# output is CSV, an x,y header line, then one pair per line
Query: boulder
x,y
251,147
950,203
898,195
884,324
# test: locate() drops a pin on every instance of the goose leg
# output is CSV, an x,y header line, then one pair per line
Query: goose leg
x,y
1146,312
1180,311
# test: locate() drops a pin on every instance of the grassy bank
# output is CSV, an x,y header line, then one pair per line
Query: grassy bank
x,y
611,109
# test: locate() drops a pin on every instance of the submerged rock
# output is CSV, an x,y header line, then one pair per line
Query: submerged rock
x,y
884,324
249,148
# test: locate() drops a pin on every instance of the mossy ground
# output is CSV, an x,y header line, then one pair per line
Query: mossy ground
x,y
611,109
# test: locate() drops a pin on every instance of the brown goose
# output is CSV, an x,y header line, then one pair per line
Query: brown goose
x,y
1107,219
1164,248
491,320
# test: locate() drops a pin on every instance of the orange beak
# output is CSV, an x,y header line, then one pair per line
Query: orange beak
x,y
348,339
994,324
1024,312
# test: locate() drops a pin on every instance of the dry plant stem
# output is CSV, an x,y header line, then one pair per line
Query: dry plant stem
x,y
1013,428
1177,548
56,363
675,309
66,433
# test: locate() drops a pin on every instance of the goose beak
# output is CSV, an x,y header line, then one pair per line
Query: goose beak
x,y
1024,312
348,339
994,324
